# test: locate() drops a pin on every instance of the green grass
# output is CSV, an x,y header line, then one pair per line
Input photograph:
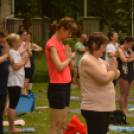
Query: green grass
x,y
41,121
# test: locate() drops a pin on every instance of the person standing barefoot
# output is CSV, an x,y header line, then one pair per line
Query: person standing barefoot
x,y
15,79
59,65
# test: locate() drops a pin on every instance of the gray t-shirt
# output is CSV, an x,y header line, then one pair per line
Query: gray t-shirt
x,y
16,77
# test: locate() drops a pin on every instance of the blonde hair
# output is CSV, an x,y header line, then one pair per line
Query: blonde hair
x,y
13,37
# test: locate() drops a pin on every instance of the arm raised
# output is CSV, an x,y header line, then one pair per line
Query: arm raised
x,y
56,60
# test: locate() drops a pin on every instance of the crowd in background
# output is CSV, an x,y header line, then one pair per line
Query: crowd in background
x,y
96,77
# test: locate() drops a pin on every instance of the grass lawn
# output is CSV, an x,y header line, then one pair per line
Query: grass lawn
x,y
41,120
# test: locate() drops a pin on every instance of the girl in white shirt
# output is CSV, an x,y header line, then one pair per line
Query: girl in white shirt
x,y
15,79
111,49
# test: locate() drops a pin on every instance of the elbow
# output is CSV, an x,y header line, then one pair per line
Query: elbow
x,y
59,68
15,68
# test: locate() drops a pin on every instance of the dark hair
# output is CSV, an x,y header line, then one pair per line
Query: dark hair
x,y
129,39
3,33
122,41
110,34
21,32
67,23
98,38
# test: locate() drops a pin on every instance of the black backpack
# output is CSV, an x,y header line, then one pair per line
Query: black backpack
x,y
117,117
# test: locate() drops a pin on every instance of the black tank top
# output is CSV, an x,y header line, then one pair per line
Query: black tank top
x,y
126,69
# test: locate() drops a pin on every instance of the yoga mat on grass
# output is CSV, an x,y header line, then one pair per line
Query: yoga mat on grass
x,y
26,103
16,123
75,99
39,95
130,106
77,110
19,114
42,90
43,107
130,99
122,129
25,130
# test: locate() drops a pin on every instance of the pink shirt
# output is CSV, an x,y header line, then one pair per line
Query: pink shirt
x,y
56,76
95,96
28,65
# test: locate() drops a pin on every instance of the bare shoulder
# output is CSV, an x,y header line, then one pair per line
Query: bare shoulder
x,y
88,62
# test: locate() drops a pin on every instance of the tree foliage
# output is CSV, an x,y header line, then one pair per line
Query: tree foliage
x,y
113,13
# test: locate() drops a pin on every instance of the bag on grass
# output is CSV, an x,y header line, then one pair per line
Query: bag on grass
x,y
117,117
26,103
75,126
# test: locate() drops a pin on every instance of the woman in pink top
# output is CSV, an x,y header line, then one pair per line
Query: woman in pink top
x,y
96,76
59,64
25,51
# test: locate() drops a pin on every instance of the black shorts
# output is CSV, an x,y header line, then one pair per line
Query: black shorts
x,y
59,95
14,95
78,76
97,122
27,73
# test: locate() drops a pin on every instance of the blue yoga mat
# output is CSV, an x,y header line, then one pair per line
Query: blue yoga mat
x,y
26,103
25,130
122,129
130,106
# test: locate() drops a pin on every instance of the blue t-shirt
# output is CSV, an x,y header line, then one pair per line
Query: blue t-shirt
x,y
3,74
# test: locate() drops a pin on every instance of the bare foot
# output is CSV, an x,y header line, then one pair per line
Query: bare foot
x,y
15,130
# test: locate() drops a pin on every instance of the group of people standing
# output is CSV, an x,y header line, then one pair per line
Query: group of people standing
x,y
96,77
16,71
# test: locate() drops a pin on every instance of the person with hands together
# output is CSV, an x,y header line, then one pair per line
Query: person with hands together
x,y
59,59
96,76
25,50
125,60
34,48
4,64
15,79
111,49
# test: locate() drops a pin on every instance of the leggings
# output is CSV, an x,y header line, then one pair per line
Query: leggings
x,y
14,95
2,106
97,122
125,87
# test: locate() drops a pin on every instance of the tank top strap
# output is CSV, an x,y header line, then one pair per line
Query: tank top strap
x,y
125,53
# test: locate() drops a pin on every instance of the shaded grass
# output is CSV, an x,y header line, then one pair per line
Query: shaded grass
x,y
41,121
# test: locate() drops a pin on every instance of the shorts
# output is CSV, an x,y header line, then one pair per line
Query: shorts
x,y
14,95
59,95
27,73
78,76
